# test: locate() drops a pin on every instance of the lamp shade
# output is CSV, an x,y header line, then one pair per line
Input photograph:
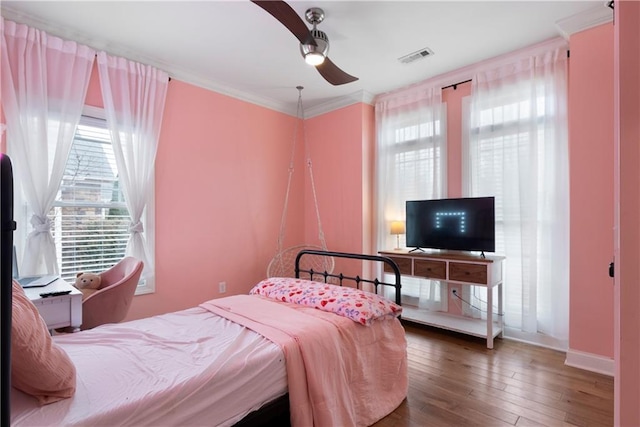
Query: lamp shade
x,y
397,227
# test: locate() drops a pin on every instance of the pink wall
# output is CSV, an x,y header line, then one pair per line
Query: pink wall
x,y
339,151
220,187
591,188
627,301
94,95
453,98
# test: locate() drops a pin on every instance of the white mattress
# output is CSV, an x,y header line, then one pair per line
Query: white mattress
x,y
190,367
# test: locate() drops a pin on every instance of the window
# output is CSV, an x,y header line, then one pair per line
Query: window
x,y
417,159
515,149
89,216
411,166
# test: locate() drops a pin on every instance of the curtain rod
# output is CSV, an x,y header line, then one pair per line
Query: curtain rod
x,y
455,85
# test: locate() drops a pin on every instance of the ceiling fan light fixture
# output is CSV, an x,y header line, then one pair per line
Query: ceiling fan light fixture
x,y
314,58
314,44
315,55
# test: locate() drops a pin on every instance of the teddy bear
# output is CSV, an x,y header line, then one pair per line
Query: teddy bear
x,y
87,283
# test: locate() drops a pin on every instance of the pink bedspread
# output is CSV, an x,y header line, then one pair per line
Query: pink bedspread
x,y
339,373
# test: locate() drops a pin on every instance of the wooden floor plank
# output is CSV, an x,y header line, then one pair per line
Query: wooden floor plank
x,y
454,380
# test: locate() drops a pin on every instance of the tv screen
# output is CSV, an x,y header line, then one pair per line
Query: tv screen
x,y
465,224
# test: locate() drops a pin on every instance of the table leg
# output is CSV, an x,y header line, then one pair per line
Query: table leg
x,y
489,317
500,310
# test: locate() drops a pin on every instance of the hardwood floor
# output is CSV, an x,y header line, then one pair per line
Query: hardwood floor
x,y
454,380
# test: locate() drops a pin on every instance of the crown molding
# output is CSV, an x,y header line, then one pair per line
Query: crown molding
x,y
360,96
173,70
187,77
589,18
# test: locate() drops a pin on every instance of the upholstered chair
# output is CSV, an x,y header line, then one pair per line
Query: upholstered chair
x,y
111,302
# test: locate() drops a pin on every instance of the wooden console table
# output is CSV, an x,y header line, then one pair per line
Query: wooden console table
x,y
463,269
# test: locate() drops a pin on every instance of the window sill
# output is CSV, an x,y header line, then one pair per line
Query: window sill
x,y
147,286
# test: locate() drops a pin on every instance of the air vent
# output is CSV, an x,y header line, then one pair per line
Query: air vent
x,y
412,57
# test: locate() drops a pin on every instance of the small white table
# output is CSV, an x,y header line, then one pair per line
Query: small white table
x,y
58,311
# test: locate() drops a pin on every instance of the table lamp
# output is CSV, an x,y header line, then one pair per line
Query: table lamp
x,y
397,228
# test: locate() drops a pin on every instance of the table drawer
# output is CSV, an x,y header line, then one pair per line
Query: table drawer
x,y
463,272
430,269
404,264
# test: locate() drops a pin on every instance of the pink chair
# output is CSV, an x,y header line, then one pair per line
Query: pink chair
x,y
111,302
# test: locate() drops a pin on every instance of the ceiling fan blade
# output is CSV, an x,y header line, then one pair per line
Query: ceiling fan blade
x,y
289,18
333,74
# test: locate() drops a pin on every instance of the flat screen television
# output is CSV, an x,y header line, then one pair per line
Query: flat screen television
x,y
464,224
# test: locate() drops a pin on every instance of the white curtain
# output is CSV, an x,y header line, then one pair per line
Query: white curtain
x,y
410,165
44,85
134,96
515,145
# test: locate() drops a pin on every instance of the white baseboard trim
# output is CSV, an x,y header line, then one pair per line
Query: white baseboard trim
x,y
590,362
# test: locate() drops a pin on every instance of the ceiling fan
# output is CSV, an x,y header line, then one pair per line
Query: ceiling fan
x,y
314,44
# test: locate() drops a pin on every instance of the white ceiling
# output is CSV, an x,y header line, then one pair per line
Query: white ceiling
x,y
236,48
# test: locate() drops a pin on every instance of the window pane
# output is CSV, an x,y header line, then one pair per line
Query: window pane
x,y
89,239
90,217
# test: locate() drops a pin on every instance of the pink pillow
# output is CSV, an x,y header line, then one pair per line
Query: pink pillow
x,y
39,367
360,306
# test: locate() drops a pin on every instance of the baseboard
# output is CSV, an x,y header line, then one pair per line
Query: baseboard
x,y
590,362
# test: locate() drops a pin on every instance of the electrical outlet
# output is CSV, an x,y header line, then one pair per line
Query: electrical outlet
x,y
222,287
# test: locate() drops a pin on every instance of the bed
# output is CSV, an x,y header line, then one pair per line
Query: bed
x,y
244,360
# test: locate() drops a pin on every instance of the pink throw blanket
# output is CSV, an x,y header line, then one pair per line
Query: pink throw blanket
x,y
339,373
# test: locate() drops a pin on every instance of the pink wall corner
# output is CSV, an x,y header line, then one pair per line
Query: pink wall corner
x,y
591,149
368,180
336,148
368,184
220,187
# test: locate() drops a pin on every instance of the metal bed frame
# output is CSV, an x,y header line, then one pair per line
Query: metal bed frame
x,y
277,411
357,279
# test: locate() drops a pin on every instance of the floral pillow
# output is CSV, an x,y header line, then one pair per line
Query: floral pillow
x,y
360,306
